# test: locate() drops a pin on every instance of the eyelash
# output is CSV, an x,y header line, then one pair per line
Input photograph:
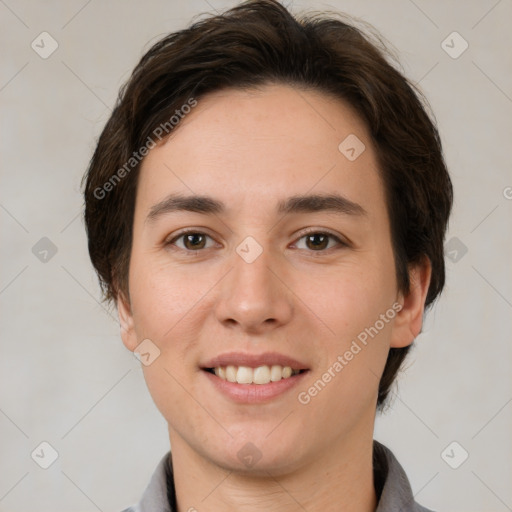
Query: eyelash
x,y
340,243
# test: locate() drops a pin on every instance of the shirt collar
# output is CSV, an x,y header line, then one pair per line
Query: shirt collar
x,y
396,494
391,484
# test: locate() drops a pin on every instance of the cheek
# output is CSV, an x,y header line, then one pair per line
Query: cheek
x,y
166,305
356,305
346,382
165,311
169,386
348,298
163,297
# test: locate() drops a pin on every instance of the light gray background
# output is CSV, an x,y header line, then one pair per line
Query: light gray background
x,y
65,376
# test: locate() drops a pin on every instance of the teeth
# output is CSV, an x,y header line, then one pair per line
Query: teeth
x,y
287,372
244,375
260,375
276,373
220,372
231,373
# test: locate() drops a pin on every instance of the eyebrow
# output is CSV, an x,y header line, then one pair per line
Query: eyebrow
x,y
334,203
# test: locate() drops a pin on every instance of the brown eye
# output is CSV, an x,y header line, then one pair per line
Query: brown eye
x,y
191,241
319,241
194,241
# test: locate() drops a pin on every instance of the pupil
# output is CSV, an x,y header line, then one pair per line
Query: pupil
x,y
194,240
313,239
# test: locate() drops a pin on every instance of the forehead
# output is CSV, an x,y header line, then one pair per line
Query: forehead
x,y
257,147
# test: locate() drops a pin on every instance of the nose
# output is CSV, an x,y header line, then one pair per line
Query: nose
x,y
254,296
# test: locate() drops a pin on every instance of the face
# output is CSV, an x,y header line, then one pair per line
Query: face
x,y
281,265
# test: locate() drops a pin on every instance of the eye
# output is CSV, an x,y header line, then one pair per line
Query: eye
x,y
191,241
319,241
316,241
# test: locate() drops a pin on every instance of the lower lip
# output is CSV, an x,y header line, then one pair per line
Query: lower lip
x,y
254,393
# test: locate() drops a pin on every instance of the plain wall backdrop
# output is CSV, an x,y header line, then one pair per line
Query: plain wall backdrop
x,y
65,377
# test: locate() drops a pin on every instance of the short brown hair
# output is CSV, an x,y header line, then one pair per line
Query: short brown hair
x,y
256,43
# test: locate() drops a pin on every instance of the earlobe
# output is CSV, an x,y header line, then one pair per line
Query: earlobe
x,y
409,320
126,323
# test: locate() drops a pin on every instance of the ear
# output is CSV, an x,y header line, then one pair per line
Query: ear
x,y
409,320
126,323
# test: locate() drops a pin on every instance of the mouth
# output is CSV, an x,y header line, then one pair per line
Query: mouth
x,y
260,375
253,378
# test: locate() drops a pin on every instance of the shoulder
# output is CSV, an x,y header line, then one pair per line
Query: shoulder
x,y
395,490
156,496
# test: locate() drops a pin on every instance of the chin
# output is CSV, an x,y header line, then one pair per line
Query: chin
x,y
259,455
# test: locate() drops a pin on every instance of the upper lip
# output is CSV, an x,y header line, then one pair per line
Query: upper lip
x,y
254,360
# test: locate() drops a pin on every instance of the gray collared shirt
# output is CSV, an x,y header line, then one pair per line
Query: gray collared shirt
x,y
391,485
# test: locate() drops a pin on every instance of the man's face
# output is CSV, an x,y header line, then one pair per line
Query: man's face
x,y
264,281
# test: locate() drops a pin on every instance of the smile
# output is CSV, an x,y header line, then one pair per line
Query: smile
x,y
261,375
253,378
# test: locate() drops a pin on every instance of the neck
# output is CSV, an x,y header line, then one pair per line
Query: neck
x,y
341,479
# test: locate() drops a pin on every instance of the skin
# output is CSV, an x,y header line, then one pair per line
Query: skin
x,y
252,149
